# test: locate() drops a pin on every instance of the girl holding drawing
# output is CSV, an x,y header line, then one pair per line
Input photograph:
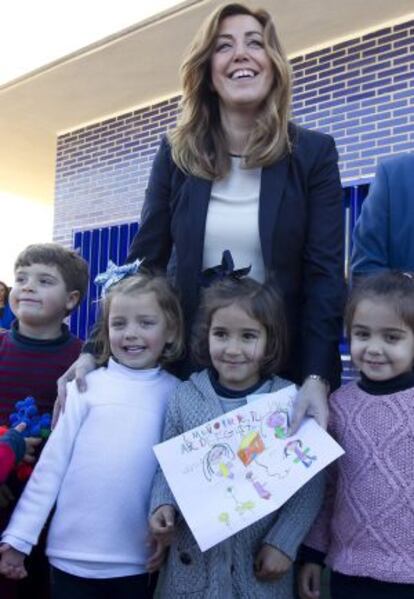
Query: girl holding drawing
x,y
241,337
365,531
98,464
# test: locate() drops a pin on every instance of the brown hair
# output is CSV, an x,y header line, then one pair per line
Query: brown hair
x,y
168,302
72,267
393,287
198,143
261,302
6,291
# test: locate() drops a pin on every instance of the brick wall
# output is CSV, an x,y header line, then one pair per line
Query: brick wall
x,y
361,91
102,169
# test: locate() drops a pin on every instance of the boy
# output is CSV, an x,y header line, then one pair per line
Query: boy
x,y
50,281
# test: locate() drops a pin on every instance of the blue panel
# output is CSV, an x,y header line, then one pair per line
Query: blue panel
x,y
97,247
114,244
123,243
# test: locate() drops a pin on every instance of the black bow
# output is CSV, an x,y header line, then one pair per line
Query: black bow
x,y
223,271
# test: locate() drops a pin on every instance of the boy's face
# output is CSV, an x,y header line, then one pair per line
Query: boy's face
x,y
39,297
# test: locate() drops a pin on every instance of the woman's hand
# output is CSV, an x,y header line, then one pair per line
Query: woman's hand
x,y
12,562
78,371
271,564
309,581
311,400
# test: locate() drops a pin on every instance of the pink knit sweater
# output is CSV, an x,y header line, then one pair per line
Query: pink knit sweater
x,y
366,527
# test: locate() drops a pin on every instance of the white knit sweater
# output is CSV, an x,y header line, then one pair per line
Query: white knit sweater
x,y
98,467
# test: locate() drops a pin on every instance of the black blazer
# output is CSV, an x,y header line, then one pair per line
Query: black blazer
x,y
301,234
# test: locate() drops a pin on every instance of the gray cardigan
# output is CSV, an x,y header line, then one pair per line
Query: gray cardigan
x,y
226,570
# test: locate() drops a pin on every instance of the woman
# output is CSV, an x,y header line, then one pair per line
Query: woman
x,y
235,174
6,315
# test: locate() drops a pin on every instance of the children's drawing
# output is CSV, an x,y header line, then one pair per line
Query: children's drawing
x,y
241,466
279,422
295,448
250,447
219,461
224,517
258,486
241,506
274,471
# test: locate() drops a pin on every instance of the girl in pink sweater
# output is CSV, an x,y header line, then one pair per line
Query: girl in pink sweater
x,y
365,531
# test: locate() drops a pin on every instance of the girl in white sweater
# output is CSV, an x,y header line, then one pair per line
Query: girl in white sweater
x,y
98,464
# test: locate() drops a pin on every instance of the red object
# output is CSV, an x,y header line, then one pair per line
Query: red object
x,y
7,460
23,471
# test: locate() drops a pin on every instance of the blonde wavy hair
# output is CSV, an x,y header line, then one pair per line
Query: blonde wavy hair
x,y
168,302
198,142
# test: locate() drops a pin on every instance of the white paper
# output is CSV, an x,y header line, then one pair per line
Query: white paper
x,y
227,473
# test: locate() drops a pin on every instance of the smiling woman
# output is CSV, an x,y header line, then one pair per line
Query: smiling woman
x,y
236,174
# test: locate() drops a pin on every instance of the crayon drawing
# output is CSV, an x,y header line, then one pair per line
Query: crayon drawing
x,y
233,470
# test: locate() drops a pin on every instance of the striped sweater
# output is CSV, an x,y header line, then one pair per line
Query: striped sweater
x,y
32,367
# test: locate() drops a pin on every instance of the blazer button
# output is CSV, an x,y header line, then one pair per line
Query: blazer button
x,y
185,558
232,568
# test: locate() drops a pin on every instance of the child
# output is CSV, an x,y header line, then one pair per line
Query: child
x,y
240,337
50,281
365,531
98,464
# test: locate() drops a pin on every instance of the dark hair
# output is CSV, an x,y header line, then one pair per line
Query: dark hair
x,y
261,302
168,302
72,267
6,291
393,287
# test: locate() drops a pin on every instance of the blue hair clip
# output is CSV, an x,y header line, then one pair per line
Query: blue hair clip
x,y
223,271
115,273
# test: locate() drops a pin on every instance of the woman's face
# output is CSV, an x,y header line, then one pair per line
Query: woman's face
x,y
241,70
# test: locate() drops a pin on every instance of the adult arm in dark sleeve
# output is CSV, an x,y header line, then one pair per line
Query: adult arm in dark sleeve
x,y
153,241
370,238
323,285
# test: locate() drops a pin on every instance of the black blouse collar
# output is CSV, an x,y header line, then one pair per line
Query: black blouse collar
x,y
231,393
399,383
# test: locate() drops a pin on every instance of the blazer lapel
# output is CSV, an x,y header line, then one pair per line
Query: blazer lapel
x,y
272,185
199,197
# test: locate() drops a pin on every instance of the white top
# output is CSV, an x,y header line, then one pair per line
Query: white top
x,y
233,220
97,466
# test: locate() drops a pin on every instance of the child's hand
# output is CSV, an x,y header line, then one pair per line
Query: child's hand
x,y
31,444
157,558
12,562
309,581
271,564
6,496
162,525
